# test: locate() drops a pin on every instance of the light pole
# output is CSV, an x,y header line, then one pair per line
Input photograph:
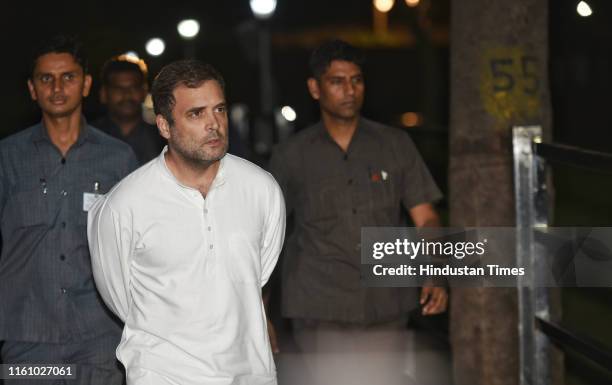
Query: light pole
x,y
381,10
188,29
264,135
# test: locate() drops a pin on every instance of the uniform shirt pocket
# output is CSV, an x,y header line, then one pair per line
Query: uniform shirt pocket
x,y
322,203
27,207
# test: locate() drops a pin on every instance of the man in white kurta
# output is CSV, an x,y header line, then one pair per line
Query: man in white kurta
x,y
181,258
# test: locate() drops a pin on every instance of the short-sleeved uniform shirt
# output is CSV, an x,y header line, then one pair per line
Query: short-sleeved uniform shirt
x,y
332,195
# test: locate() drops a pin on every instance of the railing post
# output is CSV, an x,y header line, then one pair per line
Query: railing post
x,y
531,212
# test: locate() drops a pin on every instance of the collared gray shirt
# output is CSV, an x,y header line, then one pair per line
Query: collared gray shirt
x,y
332,194
47,292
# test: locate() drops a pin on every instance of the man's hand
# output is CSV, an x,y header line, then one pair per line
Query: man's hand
x,y
435,300
273,340
271,329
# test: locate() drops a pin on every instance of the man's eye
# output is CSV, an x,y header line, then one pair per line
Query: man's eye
x,y
45,78
357,80
220,109
195,114
68,76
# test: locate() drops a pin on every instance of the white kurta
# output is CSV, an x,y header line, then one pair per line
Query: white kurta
x,y
185,273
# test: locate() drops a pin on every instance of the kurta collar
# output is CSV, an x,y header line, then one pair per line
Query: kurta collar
x,y
219,178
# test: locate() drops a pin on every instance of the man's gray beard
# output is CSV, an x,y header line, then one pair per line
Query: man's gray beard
x,y
197,162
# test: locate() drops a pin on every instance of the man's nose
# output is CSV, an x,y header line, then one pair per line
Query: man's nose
x,y
58,84
211,122
350,88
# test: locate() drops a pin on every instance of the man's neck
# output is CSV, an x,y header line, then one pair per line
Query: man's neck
x,y
63,131
194,175
126,125
340,130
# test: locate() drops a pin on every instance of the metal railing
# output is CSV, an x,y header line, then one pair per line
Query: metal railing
x,y
536,329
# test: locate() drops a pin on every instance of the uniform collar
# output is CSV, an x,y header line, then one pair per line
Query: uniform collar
x,y
362,132
40,133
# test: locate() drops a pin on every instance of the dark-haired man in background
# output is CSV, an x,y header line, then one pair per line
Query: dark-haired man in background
x,y
344,173
50,174
124,89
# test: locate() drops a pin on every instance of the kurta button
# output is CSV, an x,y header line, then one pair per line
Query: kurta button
x,y
63,290
350,181
62,257
63,161
63,225
64,193
209,228
354,211
205,211
211,246
345,156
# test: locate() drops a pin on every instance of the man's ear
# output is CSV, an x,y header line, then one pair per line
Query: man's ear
x,y
163,126
87,85
32,90
313,88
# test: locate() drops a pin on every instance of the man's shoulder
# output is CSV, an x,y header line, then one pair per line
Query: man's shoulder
x,y
306,135
112,148
390,137
19,138
135,186
297,142
108,141
383,130
247,171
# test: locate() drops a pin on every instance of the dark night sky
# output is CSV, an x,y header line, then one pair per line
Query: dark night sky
x,y
580,54
581,73
113,27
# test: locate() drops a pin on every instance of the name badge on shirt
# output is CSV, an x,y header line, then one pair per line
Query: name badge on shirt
x,y
89,199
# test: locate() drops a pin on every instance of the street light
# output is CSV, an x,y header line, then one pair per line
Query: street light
x,y
155,46
263,9
288,113
188,29
383,6
412,3
584,9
